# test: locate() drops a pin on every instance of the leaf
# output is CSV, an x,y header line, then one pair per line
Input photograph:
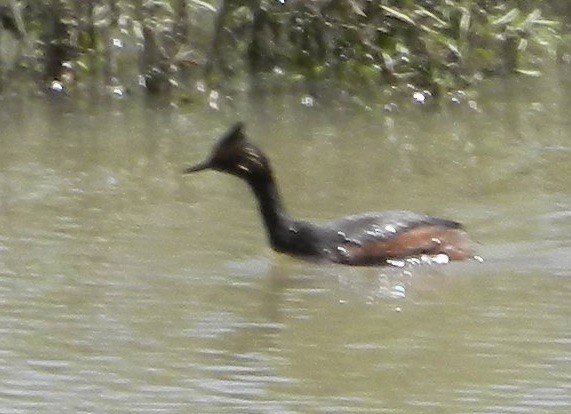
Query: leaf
x,y
530,20
547,23
138,31
204,5
454,49
357,8
528,72
165,5
532,17
427,29
507,18
398,15
422,12
464,25
388,62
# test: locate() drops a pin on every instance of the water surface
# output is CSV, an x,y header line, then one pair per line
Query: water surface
x,y
126,287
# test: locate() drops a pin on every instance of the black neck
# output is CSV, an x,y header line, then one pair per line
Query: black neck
x,y
277,222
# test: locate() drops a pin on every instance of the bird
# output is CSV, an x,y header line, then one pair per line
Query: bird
x,y
369,239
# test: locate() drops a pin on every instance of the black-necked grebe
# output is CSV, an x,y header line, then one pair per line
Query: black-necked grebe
x,y
366,239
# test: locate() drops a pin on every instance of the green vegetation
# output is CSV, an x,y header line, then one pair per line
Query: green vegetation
x,y
180,49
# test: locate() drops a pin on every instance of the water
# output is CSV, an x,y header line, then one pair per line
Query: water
x,y
126,287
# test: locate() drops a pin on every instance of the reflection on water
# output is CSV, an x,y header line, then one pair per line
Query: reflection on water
x,y
126,287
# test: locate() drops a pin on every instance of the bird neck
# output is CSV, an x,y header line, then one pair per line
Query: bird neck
x,y
277,222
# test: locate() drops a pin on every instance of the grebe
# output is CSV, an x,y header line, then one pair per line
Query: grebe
x,y
361,240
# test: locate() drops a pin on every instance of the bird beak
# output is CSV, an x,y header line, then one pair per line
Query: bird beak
x,y
198,167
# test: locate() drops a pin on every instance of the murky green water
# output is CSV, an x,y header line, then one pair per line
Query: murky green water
x,y
126,287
